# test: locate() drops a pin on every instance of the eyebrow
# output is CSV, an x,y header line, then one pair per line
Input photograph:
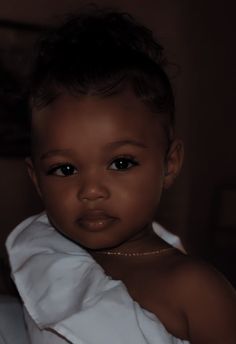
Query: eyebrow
x,y
120,143
55,152
111,145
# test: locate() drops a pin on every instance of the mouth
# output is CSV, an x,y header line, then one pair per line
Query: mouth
x,y
96,221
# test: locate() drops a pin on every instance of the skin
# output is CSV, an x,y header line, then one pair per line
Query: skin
x,y
92,134
107,156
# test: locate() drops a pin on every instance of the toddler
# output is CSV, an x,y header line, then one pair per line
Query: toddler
x,y
91,269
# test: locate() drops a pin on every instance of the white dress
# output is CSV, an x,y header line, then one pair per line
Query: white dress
x,y
67,296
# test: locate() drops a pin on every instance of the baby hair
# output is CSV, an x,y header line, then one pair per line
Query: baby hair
x,y
100,52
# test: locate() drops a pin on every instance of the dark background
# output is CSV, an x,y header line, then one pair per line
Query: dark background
x,y
199,38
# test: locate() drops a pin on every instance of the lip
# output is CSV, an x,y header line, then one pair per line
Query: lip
x,y
96,220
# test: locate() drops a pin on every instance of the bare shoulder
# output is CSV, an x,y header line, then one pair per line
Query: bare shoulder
x,y
206,299
196,273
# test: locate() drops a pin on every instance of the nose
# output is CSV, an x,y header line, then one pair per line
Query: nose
x,y
93,188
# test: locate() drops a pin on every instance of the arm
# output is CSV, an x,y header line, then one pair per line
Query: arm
x,y
209,304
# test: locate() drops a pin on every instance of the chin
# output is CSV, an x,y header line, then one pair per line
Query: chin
x,y
96,245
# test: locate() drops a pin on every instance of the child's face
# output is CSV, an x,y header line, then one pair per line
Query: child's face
x,y
100,167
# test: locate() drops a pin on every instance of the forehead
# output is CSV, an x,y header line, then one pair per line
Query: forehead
x,y
94,119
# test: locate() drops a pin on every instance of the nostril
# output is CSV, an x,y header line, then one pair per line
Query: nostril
x,y
93,193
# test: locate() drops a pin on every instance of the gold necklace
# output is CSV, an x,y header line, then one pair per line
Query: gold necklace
x,y
136,254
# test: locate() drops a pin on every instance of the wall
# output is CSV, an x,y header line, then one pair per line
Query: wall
x,y
209,32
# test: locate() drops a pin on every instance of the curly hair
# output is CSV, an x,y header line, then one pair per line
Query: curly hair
x,y
100,52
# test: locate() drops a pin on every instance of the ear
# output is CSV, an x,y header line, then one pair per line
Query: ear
x,y
32,174
174,161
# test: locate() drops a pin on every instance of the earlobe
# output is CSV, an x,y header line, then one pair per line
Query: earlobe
x,y
32,174
174,161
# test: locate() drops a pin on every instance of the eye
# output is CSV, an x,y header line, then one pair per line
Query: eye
x,y
64,170
123,163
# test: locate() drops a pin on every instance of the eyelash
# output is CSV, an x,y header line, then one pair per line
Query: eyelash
x,y
128,160
54,169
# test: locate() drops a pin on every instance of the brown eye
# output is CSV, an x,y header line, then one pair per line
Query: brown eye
x,y
63,170
123,164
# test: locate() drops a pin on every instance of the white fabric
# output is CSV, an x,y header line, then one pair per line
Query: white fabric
x,y
12,325
67,296
168,237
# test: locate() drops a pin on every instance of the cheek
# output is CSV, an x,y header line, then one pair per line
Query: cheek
x,y
58,197
139,194
62,209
